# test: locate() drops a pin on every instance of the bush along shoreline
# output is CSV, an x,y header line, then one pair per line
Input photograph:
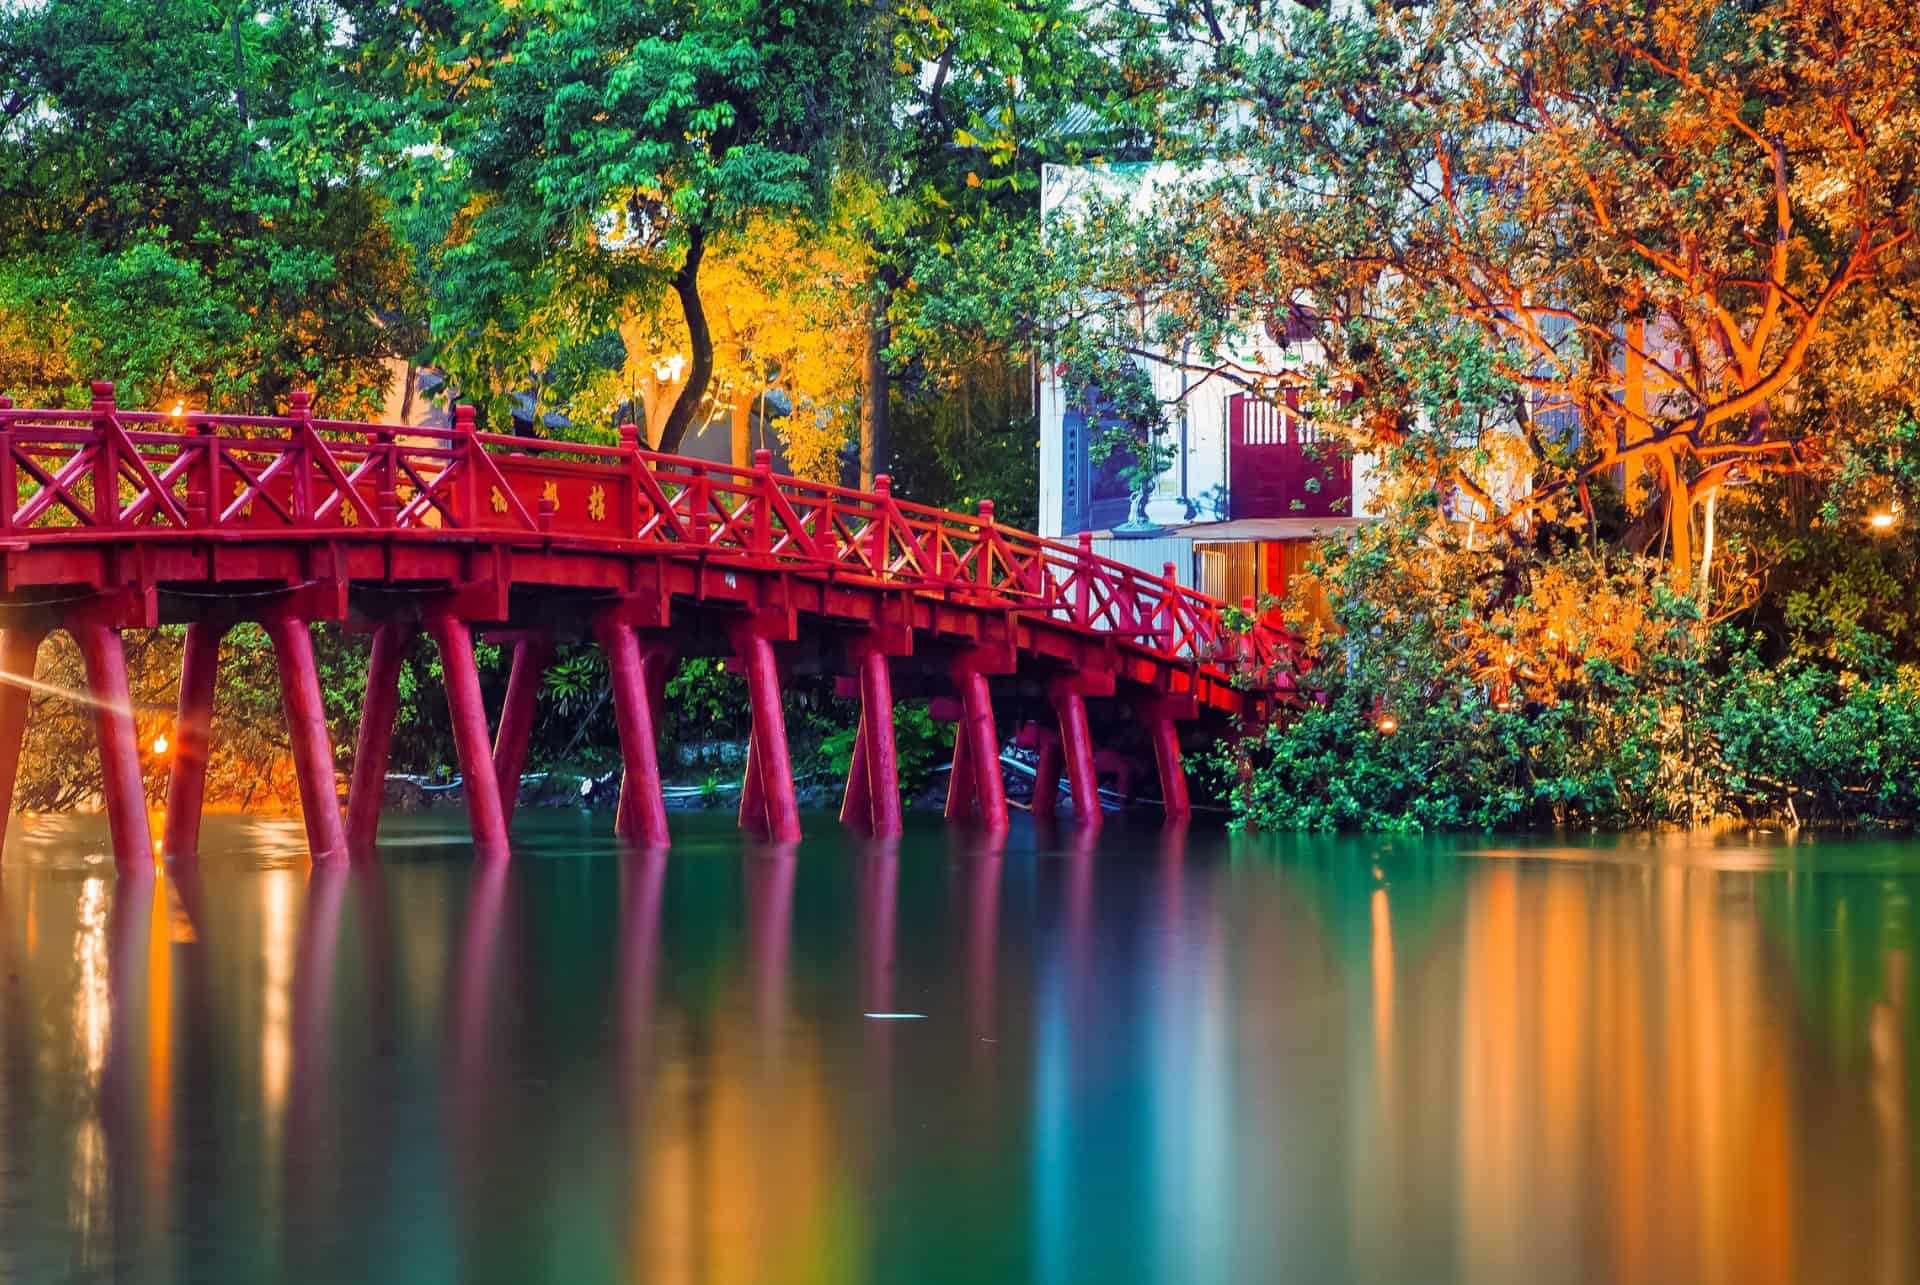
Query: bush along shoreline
x,y
1592,697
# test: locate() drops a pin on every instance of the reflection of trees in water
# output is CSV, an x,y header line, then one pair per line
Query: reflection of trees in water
x,y
1848,940
1337,876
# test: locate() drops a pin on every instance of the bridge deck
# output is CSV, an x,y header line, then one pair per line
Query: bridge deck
x,y
111,519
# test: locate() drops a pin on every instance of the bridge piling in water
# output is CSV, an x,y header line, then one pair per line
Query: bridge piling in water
x,y
531,656
19,650
471,742
768,805
871,804
981,737
642,814
1049,764
192,742
1076,747
122,785
307,735
367,793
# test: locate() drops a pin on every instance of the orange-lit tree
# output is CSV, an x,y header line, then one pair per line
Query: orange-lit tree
x,y
1630,239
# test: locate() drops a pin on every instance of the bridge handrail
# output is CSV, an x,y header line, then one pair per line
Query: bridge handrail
x,y
61,456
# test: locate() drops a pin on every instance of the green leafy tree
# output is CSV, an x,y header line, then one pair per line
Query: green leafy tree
x,y
603,150
187,207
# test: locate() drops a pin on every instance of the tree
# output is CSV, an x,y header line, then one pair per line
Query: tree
x,y
186,208
608,150
1607,232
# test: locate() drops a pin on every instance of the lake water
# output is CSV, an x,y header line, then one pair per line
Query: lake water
x,y
1203,1059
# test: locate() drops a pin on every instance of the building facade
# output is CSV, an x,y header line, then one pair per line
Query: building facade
x,y
1253,486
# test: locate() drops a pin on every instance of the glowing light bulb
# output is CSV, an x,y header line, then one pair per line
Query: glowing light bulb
x,y
160,743
1883,520
179,409
1387,725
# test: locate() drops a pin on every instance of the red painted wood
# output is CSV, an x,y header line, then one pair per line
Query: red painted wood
x,y
307,735
1279,466
983,751
769,753
883,764
121,784
1046,778
192,743
856,801
753,798
19,649
1173,773
166,510
960,791
1076,746
643,802
469,714
368,790
531,655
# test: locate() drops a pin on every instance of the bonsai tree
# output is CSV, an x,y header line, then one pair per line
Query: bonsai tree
x,y
1109,384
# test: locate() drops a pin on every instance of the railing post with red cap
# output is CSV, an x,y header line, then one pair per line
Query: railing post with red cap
x,y
983,559
466,482
9,475
106,460
386,500
303,464
880,529
1083,582
630,448
763,488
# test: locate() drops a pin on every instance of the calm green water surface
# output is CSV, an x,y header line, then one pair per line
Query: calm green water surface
x,y
1143,1060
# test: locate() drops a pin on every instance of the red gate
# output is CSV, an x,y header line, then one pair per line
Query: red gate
x,y
1280,466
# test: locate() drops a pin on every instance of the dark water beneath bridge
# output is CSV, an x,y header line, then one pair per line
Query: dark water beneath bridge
x,y
1219,1060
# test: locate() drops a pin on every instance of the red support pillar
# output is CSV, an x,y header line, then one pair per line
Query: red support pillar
x,y
125,791
1046,776
856,804
1077,745
960,781
768,753
983,750
531,656
753,801
643,805
469,713
368,792
192,742
19,649
658,664
1173,774
872,802
306,717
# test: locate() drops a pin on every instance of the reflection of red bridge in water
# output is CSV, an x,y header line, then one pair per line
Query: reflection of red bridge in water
x,y
117,520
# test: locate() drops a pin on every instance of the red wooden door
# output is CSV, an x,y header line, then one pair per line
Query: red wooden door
x,y
1279,466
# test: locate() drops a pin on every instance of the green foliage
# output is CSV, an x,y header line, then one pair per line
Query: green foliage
x,y
918,743
187,207
707,701
1402,729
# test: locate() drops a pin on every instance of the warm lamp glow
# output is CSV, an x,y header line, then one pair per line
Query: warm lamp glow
x,y
179,409
1387,725
1883,520
160,743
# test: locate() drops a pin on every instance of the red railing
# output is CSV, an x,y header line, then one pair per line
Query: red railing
x,y
74,475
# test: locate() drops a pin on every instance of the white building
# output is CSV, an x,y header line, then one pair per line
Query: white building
x,y
1251,489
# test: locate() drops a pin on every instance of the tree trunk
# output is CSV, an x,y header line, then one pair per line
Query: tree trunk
x,y
876,413
686,284
1679,521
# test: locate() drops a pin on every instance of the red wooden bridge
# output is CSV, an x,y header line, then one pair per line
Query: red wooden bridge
x,y
116,520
